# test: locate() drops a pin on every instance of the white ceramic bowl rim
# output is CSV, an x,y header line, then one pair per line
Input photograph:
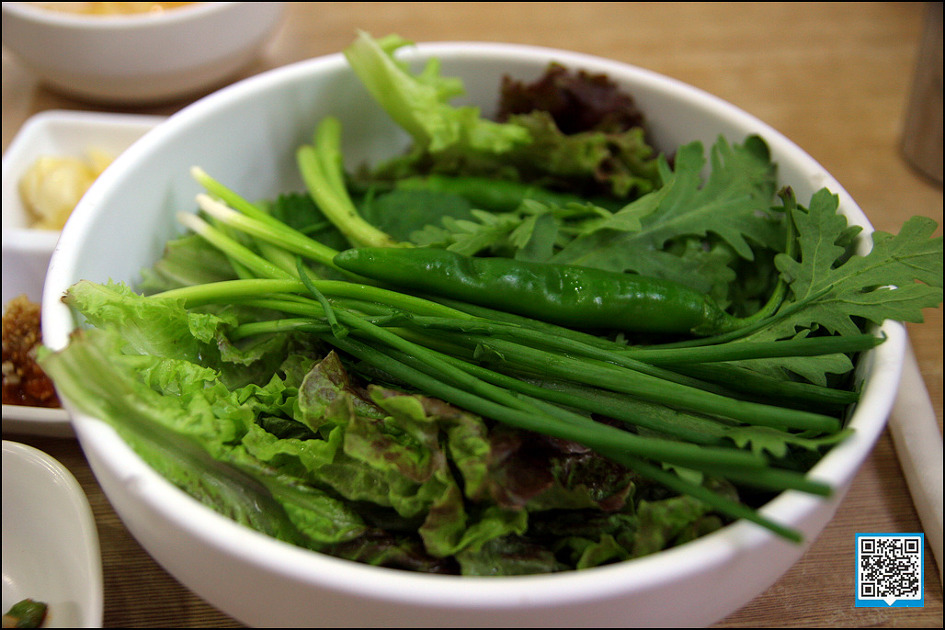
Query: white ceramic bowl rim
x,y
271,555
116,22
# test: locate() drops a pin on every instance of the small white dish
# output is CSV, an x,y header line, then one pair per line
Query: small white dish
x,y
50,543
26,251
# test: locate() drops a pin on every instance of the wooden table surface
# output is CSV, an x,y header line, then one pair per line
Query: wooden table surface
x,y
833,77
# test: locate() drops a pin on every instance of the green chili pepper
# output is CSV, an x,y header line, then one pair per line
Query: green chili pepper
x,y
27,613
577,297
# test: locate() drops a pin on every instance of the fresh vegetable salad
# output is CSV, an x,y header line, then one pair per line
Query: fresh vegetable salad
x,y
529,344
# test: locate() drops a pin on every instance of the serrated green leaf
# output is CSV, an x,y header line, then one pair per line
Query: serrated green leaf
x,y
900,276
766,439
731,207
420,102
535,237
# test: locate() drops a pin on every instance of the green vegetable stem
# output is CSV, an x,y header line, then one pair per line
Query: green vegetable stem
x,y
320,164
579,297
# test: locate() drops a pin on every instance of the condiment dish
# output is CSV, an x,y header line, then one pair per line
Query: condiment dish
x,y
27,250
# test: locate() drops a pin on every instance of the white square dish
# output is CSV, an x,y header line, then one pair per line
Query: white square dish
x,y
26,251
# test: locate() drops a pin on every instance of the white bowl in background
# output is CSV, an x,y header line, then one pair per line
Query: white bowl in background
x,y
261,581
139,58
26,250
50,543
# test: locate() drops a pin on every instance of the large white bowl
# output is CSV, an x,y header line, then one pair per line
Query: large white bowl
x,y
139,58
261,581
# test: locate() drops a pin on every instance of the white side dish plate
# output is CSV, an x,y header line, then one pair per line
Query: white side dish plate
x,y
50,544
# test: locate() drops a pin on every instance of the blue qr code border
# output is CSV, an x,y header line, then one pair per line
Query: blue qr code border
x,y
914,544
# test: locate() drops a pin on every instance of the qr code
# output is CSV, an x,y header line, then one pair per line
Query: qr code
x,y
889,569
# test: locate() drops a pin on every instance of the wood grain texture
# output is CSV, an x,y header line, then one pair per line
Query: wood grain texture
x,y
833,77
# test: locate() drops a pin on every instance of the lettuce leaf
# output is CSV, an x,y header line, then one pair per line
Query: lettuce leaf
x,y
419,103
458,140
371,474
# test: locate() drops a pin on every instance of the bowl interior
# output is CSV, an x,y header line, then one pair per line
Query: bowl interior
x,y
275,113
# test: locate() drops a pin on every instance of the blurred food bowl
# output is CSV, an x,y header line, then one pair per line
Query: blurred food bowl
x,y
134,58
